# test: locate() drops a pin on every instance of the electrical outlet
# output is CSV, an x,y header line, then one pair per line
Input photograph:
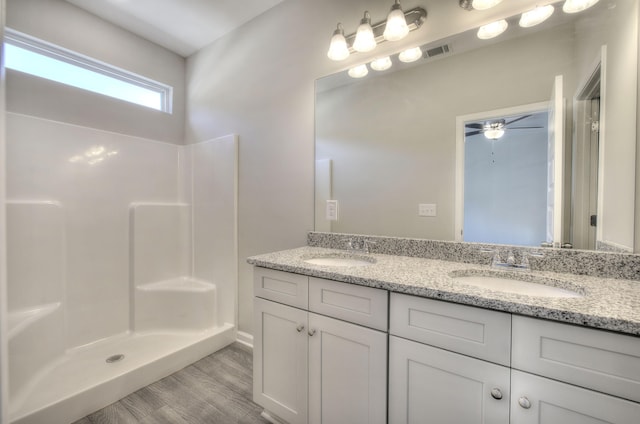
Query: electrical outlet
x,y
331,210
427,209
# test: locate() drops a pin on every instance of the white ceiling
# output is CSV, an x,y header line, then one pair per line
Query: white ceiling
x,y
182,26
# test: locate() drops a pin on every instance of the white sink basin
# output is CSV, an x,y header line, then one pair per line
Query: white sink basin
x,y
539,287
340,260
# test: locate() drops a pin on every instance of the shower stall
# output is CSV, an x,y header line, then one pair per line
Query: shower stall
x,y
121,262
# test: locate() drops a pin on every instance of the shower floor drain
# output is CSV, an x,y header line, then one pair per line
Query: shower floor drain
x,y
115,358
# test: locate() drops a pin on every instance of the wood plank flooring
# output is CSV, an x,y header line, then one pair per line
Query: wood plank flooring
x,y
216,389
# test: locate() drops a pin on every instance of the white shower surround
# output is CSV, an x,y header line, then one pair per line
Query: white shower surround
x,y
135,253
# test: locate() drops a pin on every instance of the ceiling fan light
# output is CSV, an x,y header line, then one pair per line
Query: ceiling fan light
x,y
410,55
494,133
484,4
536,16
338,49
365,40
396,27
492,30
381,64
575,6
359,71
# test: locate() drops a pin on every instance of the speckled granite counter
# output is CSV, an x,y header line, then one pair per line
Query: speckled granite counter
x,y
607,303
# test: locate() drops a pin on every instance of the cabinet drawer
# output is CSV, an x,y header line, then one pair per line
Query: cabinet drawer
x,y
586,357
361,305
471,331
282,287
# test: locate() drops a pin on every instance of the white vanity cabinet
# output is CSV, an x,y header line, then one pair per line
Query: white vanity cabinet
x,y
320,349
605,366
433,382
539,400
452,363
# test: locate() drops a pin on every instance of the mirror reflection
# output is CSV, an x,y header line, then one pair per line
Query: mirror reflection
x,y
392,145
505,180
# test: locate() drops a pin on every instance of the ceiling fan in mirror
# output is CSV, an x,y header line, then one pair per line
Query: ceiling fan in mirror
x,y
495,128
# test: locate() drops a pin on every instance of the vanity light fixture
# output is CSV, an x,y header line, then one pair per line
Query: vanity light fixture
x,y
575,6
492,30
381,64
359,71
536,16
365,40
484,4
338,49
368,35
410,55
396,27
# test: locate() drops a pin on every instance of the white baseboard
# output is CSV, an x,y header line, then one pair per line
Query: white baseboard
x,y
245,339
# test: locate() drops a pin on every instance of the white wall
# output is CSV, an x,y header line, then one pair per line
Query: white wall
x,y
61,23
258,82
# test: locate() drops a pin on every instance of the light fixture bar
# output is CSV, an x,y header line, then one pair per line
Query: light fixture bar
x,y
415,18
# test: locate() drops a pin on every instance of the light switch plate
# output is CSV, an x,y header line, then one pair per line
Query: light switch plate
x,y
427,209
332,210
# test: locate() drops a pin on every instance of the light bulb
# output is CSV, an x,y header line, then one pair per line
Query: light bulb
x,y
338,49
536,16
365,41
381,64
484,4
493,29
574,6
410,55
396,27
358,71
494,134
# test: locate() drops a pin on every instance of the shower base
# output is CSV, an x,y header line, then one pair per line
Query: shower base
x,y
83,381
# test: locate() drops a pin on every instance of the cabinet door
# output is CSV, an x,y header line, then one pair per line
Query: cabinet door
x,y
540,400
432,385
347,372
280,364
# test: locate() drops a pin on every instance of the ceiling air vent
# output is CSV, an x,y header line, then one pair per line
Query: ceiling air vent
x,y
436,51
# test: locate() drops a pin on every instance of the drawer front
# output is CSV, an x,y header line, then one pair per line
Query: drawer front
x,y
476,332
586,357
361,305
282,287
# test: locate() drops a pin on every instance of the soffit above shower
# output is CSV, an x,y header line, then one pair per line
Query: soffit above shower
x,y
182,26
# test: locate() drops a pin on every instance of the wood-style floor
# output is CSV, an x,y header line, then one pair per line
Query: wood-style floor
x,y
216,389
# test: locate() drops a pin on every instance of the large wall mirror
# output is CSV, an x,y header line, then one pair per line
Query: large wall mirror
x,y
411,151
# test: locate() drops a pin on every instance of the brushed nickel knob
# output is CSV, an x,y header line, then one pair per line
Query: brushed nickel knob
x,y
311,332
524,402
496,393
300,327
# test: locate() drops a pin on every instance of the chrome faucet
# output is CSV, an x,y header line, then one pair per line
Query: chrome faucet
x,y
510,263
362,246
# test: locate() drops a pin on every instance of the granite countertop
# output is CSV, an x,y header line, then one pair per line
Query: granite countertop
x,y
606,303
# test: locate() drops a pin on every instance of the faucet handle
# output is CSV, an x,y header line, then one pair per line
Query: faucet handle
x,y
495,255
367,245
525,258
